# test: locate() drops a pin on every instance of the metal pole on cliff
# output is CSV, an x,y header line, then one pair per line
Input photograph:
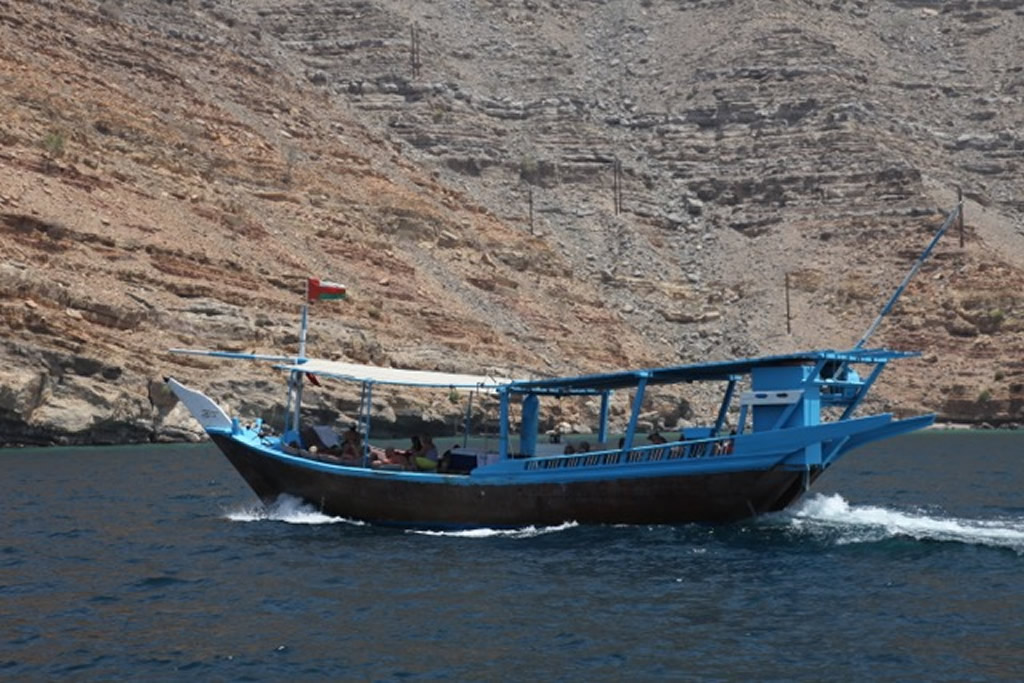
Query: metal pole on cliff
x,y
960,203
956,213
414,51
789,329
617,185
530,190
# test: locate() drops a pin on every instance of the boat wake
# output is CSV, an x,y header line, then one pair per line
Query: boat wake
x,y
295,511
286,509
832,517
523,532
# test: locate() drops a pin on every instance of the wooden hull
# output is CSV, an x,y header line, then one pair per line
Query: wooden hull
x,y
460,502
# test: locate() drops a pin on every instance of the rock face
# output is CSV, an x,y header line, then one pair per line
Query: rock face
x,y
536,188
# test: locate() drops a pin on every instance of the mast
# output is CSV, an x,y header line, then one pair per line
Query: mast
x,y
957,212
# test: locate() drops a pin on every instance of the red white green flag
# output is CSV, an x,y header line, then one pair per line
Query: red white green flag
x,y
319,290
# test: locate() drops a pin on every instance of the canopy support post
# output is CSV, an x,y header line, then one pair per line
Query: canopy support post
x,y
503,397
528,425
468,420
365,409
723,410
602,430
638,401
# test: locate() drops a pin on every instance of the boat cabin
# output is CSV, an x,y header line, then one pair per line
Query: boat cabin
x,y
781,395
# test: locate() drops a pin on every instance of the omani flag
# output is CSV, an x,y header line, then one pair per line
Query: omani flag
x,y
319,290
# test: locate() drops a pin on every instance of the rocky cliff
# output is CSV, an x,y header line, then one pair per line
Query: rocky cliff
x,y
535,187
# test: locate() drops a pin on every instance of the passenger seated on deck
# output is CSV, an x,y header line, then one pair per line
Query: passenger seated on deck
x,y
656,437
351,452
426,459
584,447
350,449
725,447
401,458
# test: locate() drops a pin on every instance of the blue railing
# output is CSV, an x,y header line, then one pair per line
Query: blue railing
x,y
677,450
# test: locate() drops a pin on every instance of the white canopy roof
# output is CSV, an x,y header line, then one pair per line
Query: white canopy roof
x,y
370,373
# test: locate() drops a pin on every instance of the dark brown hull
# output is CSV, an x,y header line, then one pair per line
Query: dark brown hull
x,y
445,502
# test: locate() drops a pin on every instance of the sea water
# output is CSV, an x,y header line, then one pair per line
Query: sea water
x,y
906,562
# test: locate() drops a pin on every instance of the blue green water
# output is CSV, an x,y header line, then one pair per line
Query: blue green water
x,y
906,562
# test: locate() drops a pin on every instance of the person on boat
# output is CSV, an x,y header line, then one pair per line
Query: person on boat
x,y
584,447
400,458
350,452
426,459
657,438
727,446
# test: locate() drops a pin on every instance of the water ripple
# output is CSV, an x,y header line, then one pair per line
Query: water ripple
x,y
899,572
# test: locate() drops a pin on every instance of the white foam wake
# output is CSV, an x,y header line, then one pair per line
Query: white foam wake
x,y
294,511
285,509
523,532
834,517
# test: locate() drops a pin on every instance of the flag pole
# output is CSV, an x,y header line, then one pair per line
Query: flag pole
x,y
296,379
315,290
302,331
